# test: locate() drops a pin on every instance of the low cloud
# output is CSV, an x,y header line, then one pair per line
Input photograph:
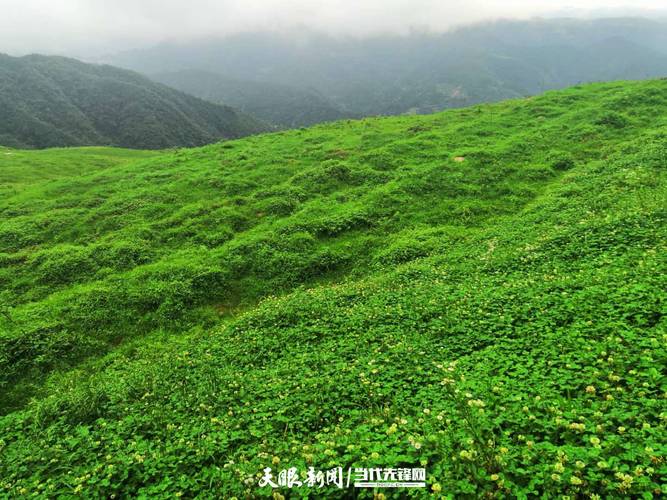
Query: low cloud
x,y
89,27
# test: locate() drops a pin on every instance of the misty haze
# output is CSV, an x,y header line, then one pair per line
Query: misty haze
x,y
315,249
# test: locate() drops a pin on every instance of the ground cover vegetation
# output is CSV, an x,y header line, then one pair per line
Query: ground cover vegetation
x,y
480,292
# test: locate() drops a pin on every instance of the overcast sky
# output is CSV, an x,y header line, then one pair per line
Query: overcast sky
x,y
91,27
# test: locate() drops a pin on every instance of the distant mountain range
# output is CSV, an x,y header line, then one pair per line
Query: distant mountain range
x,y
250,83
56,101
281,105
300,80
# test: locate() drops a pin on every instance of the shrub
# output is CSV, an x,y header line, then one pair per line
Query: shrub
x,y
613,120
562,162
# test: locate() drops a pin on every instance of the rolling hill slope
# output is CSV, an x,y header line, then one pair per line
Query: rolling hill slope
x,y
479,292
54,101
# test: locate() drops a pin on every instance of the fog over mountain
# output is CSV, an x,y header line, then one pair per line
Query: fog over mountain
x,y
295,62
393,74
87,28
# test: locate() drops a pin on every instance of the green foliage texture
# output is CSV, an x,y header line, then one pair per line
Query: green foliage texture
x,y
480,291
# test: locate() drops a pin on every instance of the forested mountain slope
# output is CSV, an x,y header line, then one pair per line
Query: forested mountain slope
x,y
479,292
55,101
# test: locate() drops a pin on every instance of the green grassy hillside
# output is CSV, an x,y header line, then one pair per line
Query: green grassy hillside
x,y
480,291
22,168
55,101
